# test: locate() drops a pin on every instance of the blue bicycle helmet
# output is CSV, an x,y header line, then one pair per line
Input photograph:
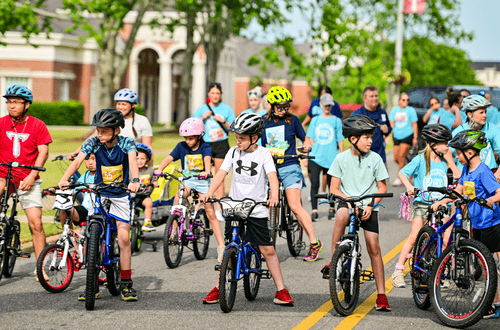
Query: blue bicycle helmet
x,y
19,91
141,147
126,94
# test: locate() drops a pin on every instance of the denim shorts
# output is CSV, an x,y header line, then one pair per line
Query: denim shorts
x,y
291,175
200,186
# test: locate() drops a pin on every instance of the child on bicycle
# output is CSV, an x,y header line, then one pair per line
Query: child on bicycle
x,y
477,180
357,172
147,177
115,155
196,159
429,169
252,164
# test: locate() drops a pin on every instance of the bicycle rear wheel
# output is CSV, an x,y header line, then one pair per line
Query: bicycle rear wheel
x,y
113,271
201,228
3,251
52,275
294,233
465,300
251,281
134,236
227,281
172,242
273,224
93,266
420,280
343,292
12,245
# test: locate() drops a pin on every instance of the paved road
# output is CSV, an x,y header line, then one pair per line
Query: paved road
x,y
171,298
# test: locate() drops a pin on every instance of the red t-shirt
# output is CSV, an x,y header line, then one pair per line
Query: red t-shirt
x,y
20,143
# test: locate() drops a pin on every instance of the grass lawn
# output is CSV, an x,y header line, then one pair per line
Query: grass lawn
x,y
49,228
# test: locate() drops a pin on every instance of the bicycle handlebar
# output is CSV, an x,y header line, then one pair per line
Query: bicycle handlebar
x,y
16,164
300,156
450,193
97,186
184,177
331,197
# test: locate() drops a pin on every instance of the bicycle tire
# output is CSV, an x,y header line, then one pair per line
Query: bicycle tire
x,y
251,280
3,252
172,242
93,266
51,277
114,270
420,280
344,295
294,233
13,244
272,225
134,234
140,238
465,301
200,245
227,281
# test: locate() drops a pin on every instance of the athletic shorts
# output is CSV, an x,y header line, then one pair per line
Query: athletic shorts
x,y
219,148
119,208
256,232
408,140
488,236
291,176
31,198
368,225
82,213
200,186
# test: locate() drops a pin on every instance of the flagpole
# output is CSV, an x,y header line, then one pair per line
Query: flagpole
x,y
399,47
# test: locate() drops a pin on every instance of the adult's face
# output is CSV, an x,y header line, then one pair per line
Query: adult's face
x,y
125,108
403,100
370,100
487,96
254,102
215,95
16,106
446,104
464,94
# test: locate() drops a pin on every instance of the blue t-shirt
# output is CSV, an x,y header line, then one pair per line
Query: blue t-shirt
x,y
111,164
464,117
435,115
192,161
493,115
315,109
482,183
281,137
326,133
487,154
403,119
213,130
437,176
87,177
447,119
381,118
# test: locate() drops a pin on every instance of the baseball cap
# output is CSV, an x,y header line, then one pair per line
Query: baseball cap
x,y
326,99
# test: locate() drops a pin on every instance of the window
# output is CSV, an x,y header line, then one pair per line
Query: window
x,y
6,83
63,89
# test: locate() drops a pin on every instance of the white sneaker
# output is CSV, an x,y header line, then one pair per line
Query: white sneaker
x,y
219,216
397,183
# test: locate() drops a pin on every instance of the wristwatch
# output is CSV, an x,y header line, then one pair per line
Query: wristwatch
x,y
134,180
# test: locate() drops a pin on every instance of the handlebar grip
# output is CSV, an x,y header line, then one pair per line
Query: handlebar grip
x,y
442,190
442,208
384,195
210,176
311,157
37,168
321,196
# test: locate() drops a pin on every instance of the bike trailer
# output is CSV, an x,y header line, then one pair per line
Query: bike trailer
x,y
163,196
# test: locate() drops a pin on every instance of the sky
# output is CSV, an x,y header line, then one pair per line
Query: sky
x,y
482,17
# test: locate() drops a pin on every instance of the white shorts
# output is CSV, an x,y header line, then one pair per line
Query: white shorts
x,y
119,208
31,198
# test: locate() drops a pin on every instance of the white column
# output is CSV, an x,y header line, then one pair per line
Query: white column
x,y
198,92
134,75
165,93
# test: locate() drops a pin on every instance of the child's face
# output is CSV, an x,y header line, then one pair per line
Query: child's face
x,y
191,140
364,142
106,133
142,159
460,155
90,163
242,141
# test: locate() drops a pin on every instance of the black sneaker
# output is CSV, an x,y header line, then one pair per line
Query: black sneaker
x,y
492,313
128,293
331,214
314,216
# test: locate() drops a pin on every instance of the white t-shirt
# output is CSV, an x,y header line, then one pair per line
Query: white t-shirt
x,y
141,125
249,176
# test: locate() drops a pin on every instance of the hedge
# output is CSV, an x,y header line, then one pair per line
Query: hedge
x,y
69,113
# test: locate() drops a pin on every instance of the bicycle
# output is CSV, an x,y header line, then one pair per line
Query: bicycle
x,y
283,218
240,257
185,224
10,228
467,264
345,267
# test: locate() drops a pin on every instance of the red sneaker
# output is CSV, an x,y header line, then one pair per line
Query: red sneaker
x,y
382,304
283,298
212,297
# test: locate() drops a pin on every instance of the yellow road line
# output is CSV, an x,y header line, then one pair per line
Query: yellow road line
x,y
318,314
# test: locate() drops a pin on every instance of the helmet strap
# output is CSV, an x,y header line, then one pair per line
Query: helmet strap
x,y
473,124
355,145
440,155
251,143
469,159
18,119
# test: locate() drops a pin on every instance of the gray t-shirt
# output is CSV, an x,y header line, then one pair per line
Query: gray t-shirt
x,y
358,179
250,176
141,125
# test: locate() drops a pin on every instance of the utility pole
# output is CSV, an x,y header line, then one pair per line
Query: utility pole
x,y
393,96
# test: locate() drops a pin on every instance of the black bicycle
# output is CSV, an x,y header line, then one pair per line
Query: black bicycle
x,y
10,228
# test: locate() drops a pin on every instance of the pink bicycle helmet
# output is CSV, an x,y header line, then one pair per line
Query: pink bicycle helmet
x,y
192,126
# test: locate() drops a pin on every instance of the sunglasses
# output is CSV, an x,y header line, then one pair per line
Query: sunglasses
x,y
285,108
253,93
405,100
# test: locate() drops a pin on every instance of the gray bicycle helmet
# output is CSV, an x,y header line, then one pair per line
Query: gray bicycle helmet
x,y
248,123
436,133
469,139
108,118
357,125
474,102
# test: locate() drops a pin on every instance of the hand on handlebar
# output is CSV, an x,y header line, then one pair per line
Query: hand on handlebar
x,y
63,185
134,186
272,202
203,175
203,198
436,205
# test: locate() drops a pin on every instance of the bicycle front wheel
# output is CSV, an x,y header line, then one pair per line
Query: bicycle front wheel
x,y
460,299
424,259
113,271
3,254
201,229
134,234
294,234
251,281
12,245
344,292
54,272
172,242
273,224
227,281
93,266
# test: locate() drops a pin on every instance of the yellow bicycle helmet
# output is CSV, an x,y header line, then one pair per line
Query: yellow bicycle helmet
x,y
279,95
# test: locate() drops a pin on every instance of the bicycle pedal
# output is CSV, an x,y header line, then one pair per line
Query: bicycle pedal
x,y
217,267
367,275
266,274
209,231
326,272
20,254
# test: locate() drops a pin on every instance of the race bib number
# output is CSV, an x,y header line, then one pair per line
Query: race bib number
x,y
112,174
194,162
216,134
470,189
64,200
145,179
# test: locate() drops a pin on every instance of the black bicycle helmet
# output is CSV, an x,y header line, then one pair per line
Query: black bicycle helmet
x,y
248,123
357,125
469,139
436,133
108,118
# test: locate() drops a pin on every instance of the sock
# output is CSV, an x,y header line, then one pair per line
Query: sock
x,y
399,267
147,220
126,274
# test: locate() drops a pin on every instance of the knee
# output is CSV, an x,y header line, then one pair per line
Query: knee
x,y
373,249
267,251
148,202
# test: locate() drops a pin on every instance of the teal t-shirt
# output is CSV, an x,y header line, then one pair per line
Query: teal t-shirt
x,y
358,178
326,133
403,118
464,117
437,176
435,115
447,119
493,115
261,113
487,155
213,130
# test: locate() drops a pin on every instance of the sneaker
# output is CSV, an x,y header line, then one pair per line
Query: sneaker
x,y
325,271
398,279
331,214
212,297
220,253
82,296
445,284
492,313
128,293
397,183
382,304
314,216
283,298
219,216
148,227
314,251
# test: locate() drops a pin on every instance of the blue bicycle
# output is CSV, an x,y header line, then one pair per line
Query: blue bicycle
x,y
461,280
241,258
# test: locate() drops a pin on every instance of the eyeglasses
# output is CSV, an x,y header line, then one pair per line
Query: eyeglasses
x,y
15,102
285,108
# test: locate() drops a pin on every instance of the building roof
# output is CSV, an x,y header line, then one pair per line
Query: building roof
x,y
481,65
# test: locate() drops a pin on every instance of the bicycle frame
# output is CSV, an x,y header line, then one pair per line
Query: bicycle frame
x,y
242,249
69,236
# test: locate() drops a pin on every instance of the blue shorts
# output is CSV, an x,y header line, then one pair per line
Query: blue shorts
x,y
291,175
200,186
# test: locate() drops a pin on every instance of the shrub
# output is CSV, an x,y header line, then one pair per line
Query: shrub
x,y
64,113
139,109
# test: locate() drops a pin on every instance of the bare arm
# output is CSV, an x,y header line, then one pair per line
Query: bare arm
x,y
415,133
458,119
43,154
427,115
165,163
72,168
274,184
341,146
306,121
134,171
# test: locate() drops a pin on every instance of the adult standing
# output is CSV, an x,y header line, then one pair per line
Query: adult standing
x,y
493,115
450,118
255,102
455,100
403,119
25,139
371,108
316,110
217,117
